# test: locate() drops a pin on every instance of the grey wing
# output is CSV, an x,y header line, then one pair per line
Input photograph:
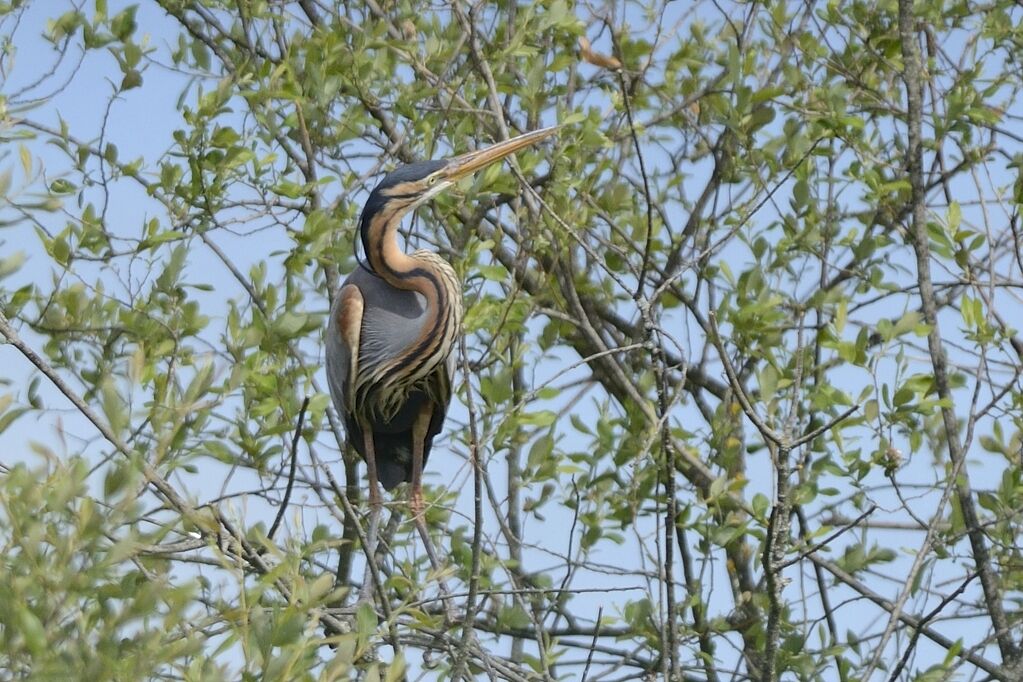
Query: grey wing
x,y
372,316
392,320
344,329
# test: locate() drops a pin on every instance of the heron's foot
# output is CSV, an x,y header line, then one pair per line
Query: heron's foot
x,y
375,500
416,505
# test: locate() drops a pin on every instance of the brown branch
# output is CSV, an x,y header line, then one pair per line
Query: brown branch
x,y
941,640
471,605
913,77
946,600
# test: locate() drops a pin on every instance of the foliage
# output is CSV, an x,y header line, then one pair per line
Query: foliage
x,y
741,369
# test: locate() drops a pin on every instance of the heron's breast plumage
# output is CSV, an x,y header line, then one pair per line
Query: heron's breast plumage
x,y
406,336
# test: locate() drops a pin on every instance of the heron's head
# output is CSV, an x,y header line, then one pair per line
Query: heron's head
x,y
408,187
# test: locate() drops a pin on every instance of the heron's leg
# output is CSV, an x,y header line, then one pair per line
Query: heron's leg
x,y
420,429
375,501
375,505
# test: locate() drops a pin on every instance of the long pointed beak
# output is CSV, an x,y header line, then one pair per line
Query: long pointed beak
x,y
466,164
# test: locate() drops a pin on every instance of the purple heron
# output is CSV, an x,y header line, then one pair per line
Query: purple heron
x,y
394,324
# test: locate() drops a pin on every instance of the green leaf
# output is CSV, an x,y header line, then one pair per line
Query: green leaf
x,y
201,54
31,629
513,618
290,324
123,25
902,396
113,406
955,217
11,264
761,116
132,79
26,160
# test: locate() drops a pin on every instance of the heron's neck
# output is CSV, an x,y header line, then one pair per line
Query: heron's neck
x,y
389,262
443,322
427,274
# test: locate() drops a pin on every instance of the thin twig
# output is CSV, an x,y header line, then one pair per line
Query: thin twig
x,y
737,388
593,645
291,472
468,632
828,540
948,599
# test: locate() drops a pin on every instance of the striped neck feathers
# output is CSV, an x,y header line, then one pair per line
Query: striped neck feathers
x,y
388,261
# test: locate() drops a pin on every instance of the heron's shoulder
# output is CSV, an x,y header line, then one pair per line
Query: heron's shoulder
x,y
380,297
361,275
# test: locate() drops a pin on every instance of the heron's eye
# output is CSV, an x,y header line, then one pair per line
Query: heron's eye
x,y
432,180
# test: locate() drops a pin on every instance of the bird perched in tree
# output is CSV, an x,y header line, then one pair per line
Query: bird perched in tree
x,y
394,324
